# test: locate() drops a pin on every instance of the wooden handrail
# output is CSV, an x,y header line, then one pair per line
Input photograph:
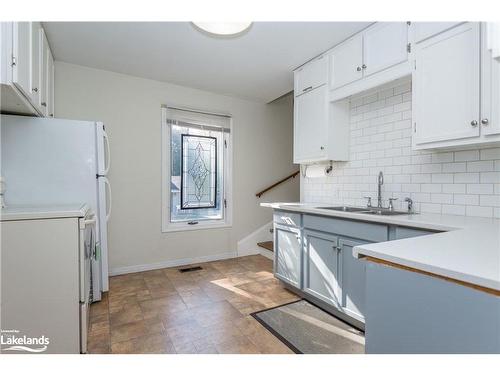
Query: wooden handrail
x,y
259,194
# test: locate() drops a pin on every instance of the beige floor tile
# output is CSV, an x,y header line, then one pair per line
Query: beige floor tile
x,y
268,343
159,343
204,311
169,304
204,346
133,330
237,345
214,313
127,313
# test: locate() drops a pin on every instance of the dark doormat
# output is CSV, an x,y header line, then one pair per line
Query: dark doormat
x,y
307,329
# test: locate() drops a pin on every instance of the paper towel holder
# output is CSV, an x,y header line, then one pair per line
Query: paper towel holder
x,y
328,169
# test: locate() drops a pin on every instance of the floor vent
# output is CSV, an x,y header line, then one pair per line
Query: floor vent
x,y
190,269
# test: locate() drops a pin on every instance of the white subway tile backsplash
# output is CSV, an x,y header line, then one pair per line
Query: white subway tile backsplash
x,y
480,166
490,177
468,155
454,188
470,178
480,189
466,199
490,154
462,182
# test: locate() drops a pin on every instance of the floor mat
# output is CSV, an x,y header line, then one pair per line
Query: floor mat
x,y
307,329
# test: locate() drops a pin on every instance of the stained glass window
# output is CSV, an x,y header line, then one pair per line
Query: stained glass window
x,y
198,171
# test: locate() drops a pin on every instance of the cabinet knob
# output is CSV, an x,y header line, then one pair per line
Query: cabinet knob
x,y
43,104
363,66
358,69
321,148
473,123
35,89
485,121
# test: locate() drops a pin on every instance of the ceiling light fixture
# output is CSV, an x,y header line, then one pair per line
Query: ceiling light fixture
x,y
223,28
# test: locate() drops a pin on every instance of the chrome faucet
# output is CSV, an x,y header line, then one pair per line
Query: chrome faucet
x,y
380,183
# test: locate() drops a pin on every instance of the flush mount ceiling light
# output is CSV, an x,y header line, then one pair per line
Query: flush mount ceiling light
x,y
223,28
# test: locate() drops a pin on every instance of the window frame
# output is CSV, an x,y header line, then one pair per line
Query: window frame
x,y
166,224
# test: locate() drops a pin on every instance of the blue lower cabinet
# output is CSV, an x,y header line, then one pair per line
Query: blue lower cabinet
x,y
288,254
352,280
411,313
322,266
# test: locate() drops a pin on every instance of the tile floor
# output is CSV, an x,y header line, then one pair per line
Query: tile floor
x,y
206,311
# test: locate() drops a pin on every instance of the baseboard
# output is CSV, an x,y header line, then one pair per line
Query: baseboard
x,y
170,263
248,244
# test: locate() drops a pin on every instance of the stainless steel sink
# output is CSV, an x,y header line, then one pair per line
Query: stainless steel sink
x,y
366,210
345,209
386,212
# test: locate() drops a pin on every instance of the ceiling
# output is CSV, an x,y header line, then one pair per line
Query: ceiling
x,y
256,65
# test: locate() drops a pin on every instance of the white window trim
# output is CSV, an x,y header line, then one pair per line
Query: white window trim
x,y
168,226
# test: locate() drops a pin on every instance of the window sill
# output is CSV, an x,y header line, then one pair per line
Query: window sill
x,y
184,227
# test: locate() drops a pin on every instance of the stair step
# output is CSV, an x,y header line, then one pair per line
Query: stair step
x,y
266,245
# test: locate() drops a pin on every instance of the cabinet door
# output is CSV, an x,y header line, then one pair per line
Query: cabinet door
x,y
288,254
352,280
321,266
44,57
346,62
446,86
384,45
311,125
490,89
424,30
311,75
50,85
21,50
35,65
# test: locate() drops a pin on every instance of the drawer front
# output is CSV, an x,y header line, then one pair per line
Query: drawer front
x,y
399,233
286,218
348,228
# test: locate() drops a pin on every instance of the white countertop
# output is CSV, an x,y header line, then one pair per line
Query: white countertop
x,y
468,250
43,212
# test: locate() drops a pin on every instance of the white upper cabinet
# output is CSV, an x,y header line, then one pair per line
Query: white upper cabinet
x,y
346,62
490,89
423,30
27,69
21,57
376,55
36,61
310,125
311,75
446,86
384,45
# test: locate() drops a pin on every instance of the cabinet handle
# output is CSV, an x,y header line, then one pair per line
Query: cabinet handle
x,y
43,104
363,66
473,123
485,121
35,89
321,148
307,89
358,69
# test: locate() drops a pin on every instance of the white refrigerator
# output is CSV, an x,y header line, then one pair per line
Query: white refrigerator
x,y
55,162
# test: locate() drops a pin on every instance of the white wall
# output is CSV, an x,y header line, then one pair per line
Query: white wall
x,y
460,182
130,109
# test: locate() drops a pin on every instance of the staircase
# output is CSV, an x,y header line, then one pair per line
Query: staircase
x,y
268,245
